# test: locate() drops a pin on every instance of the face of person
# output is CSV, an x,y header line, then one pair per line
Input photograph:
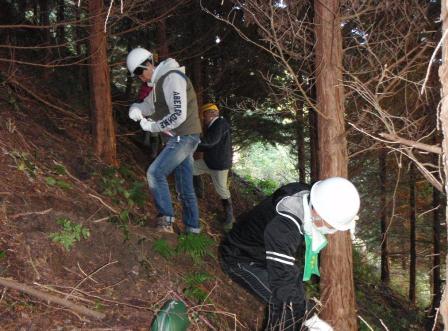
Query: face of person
x,y
319,222
209,116
147,73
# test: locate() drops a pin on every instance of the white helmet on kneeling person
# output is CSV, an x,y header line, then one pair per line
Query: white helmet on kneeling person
x,y
337,202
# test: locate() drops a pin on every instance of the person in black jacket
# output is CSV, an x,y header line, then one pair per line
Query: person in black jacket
x,y
260,251
216,145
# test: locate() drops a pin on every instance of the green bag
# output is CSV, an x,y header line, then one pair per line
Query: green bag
x,y
171,317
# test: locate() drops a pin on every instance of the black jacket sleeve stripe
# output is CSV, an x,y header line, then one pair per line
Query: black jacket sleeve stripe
x,y
283,237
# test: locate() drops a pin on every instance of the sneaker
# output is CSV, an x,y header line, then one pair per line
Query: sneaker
x,y
190,230
165,224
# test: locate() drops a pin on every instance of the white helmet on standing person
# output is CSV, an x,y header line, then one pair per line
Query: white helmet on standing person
x,y
136,58
337,201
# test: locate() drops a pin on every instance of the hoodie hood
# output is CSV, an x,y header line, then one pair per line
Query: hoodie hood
x,y
164,67
292,207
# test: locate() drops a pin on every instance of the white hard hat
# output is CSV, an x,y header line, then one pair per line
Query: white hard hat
x,y
137,57
337,201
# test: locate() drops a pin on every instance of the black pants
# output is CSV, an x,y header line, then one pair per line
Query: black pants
x,y
254,277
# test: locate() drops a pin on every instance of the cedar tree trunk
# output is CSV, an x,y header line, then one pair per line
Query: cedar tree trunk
x,y
337,285
443,74
412,248
385,272
101,100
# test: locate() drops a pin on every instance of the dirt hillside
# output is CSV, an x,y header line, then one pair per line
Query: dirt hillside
x,y
49,176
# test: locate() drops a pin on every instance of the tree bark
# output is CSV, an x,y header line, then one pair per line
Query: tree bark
x,y
443,74
314,143
412,248
436,281
61,18
337,285
301,162
385,272
104,128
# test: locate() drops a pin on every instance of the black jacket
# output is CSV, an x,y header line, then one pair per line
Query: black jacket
x,y
216,144
263,236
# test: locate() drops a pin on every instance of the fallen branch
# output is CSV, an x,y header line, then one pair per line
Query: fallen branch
x,y
43,212
50,298
104,204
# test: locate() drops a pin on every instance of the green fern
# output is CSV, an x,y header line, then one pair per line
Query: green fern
x,y
193,282
71,233
162,247
196,245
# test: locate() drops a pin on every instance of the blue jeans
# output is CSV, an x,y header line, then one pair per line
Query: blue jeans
x,y
177,156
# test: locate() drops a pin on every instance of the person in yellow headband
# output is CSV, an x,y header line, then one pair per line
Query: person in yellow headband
x,y
216,146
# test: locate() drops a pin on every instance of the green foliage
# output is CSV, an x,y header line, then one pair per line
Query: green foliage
x,y
99,305
58,182
267,186
60,169
114,184
266,167
197,246
162,247
70,233
2,255
193,289
24,164
364,270
122,222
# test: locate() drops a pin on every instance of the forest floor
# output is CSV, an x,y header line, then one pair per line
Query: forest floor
x,y
48,173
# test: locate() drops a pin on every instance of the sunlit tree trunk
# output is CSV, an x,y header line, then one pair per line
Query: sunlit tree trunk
x,y
104,129
443,74
337,285
385,273
412,248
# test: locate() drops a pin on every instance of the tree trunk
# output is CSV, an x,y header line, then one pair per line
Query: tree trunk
x,y
443,74
412,248
45,33
61,18
104,129
385,272
161,38
301,162
337,285
314,143
436,281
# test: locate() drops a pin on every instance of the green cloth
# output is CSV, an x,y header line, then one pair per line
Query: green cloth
x,y
311,258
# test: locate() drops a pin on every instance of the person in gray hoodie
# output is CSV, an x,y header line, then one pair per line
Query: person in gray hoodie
x,y
171,109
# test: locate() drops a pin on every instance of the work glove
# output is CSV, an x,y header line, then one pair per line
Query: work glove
x,y
316,324
135,114
147,125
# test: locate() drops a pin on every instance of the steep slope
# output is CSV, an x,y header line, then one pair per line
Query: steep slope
x,y
48,175
122,269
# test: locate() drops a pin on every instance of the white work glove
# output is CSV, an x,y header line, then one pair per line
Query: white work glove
x,y
147,125
135,114
316,324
